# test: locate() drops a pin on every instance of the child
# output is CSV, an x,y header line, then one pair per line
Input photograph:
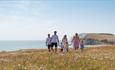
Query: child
x,y
81,45
61,50
48,42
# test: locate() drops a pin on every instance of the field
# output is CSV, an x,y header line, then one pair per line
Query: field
x,y
98,58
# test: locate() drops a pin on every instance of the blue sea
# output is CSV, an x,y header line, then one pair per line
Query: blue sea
x,y
17,45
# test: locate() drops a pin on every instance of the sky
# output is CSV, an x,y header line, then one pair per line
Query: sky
x,y
34,19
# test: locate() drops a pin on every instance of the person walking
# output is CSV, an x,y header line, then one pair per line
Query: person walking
x,y
61,47
65,43
82,45
48,42
76,41
54,41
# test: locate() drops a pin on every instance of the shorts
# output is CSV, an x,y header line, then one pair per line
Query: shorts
x,y
54,44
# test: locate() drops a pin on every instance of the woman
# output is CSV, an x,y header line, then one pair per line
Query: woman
x,y
76,41
65,43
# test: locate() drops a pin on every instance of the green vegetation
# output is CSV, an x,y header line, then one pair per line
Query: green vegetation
x,y
98,58
98,38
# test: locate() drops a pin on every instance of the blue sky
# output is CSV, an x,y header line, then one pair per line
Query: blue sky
x,y
34,19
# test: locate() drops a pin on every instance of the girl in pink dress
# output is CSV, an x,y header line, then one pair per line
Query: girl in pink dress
x,y
76,41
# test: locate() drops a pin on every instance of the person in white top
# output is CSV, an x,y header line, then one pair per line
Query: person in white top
x,y
48,42
54,41
65,43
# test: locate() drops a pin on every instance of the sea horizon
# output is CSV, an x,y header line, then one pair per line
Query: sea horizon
x,y
14,45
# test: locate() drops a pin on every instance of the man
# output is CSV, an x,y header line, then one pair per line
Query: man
x,y
54,41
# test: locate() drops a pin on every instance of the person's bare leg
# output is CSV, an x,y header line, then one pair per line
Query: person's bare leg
x,y
67,49
56,49
82,50
49,49
52,49
75,48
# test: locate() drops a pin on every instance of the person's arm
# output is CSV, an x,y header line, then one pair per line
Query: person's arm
x,y
51,39
72,40
67,42
58,39
78,39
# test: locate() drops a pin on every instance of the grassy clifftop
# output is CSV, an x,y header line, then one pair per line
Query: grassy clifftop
x,y
101,36
98,38
98,58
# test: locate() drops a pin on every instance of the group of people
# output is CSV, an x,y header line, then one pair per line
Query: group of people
x,y
53,40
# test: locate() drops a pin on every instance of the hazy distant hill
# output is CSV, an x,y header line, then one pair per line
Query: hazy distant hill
x,y
98,38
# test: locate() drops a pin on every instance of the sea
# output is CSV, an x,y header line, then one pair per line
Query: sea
x,y
17,45
28,44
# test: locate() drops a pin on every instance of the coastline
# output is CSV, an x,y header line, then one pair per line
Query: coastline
x,y
45,49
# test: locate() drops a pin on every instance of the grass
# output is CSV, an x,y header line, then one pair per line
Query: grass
x,y
98,58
